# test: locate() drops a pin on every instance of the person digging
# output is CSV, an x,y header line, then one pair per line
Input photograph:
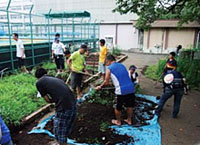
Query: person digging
x,y
124,89
76,64
54,90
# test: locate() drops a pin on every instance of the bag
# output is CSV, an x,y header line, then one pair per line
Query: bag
x,y
172,82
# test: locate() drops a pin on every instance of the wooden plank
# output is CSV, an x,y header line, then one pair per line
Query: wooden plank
x,y
36,113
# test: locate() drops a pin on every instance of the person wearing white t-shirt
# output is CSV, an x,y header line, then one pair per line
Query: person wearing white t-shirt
x,y
58,49
20,52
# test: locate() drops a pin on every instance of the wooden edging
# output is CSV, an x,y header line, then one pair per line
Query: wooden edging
x,y
119,60
36,113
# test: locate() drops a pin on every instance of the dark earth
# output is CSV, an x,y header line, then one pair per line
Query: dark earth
x,y
92,122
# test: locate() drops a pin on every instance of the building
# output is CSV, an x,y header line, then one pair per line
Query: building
x,y
165,35
22,6
115,28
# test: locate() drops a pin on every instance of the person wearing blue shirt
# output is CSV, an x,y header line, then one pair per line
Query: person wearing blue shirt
x,y
5,138
124,89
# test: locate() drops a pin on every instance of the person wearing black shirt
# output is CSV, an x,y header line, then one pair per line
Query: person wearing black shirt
x,y
54,90
173,82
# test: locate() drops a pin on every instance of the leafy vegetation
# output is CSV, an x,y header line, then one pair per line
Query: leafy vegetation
x,y
190,68
116,51
18,97
104,126
151,10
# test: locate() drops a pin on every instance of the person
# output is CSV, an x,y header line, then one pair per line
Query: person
x,y
54,90
102,58
179,47
58,49
5,138
124,89
76,64
57,36
171,63
133,74
20,53
173,82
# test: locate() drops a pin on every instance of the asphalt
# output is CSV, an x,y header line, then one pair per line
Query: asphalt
x,y
184,130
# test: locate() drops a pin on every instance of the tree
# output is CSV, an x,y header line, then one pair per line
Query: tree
x,y
150,10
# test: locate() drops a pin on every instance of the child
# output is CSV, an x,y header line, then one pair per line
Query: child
x,y
102,58
171,62
133,75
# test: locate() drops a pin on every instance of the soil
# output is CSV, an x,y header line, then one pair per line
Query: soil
x,y
92,122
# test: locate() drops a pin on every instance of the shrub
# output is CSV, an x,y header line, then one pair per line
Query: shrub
x,y
188,67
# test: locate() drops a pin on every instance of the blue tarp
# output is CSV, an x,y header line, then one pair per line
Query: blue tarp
x,y
143,135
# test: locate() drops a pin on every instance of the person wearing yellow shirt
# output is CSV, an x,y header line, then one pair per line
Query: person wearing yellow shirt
x,y
102,58
76,64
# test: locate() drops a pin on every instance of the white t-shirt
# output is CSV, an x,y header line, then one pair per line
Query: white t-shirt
x,y
58,48
19,48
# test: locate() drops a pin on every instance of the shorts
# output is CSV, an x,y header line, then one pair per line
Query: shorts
x,y
101,68
20,62
76,80
126,100
63,123
59,60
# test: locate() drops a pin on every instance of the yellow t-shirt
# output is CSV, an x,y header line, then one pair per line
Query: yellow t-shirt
x,y
102,54
78,61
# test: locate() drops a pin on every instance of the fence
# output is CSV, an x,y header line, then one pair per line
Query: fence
x,y
38,31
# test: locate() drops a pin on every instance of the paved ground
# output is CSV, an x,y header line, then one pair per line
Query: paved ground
x,y
185,130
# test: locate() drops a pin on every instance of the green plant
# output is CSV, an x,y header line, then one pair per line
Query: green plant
x,y
116,51
48,65
18,98
104,126
190,68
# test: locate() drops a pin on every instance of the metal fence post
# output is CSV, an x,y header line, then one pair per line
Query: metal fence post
x,y
49,34
31,28
62,28
9,33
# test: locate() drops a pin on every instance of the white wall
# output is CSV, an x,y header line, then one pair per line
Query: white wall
x,y
99,9
127,35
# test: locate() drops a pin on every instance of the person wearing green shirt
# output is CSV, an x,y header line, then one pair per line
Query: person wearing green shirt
x,y
76,64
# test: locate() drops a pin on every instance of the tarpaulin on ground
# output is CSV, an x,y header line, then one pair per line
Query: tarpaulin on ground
x,y
143,135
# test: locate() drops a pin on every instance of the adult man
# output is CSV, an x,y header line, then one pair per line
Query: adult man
x,y
124,89
102,58
5,138
173,85
55,90
58,49
20,52
76,63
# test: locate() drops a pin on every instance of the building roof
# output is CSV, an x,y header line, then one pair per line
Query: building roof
x,y
68,14
171,24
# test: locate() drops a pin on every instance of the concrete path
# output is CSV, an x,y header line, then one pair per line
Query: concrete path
x,y
185,130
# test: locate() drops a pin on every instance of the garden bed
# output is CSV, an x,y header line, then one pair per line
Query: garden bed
x,y
93,122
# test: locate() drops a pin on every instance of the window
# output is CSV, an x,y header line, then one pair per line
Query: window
x,y
26,16
16,16
16,8
3,17
27,7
